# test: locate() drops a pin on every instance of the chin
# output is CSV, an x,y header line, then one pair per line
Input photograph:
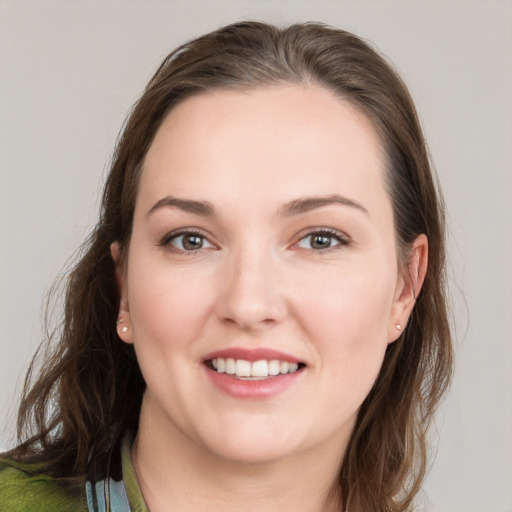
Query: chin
x,y
254,453
259,444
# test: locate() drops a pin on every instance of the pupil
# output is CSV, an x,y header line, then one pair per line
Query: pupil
x,y
321,241
191,242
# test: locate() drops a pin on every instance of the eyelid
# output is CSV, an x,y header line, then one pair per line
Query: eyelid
x,y
165,241
343,239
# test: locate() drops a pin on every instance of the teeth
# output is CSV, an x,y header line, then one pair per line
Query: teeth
x,y
242,368
293,368
258,369
274,367
230,366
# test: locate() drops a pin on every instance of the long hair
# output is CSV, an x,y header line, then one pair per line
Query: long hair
x,y
88,391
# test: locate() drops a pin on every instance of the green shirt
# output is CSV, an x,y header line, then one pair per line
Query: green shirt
x,y
23,488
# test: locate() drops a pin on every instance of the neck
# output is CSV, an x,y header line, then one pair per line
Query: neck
x,y
176,474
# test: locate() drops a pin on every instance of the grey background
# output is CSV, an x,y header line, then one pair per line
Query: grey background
x,y
70,70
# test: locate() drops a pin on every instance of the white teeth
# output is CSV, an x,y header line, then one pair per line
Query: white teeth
x,y
258,369
274,367
243,368
230,366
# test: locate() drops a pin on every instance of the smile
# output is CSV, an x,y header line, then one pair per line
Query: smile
x,y
253,373
256,370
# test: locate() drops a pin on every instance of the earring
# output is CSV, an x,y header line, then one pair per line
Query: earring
x,y
123,329
398,327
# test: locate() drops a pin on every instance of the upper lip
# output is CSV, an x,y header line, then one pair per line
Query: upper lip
x,y
252,354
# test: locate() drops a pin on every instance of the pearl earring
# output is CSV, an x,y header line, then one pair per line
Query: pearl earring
x,y
123,329
398,326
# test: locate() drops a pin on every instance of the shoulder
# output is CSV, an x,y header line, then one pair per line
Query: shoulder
x,y
23,487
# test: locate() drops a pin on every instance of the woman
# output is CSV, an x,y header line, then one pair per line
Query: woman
x,y
259,318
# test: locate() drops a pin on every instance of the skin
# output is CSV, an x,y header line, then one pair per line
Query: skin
x,y
258,281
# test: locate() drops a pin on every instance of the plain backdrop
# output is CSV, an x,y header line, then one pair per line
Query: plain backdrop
x,y
70,70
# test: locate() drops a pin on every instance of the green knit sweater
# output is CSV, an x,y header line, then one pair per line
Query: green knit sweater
x,y
25,488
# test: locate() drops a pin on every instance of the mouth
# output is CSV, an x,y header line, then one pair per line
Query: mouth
x,y
253,373
261,369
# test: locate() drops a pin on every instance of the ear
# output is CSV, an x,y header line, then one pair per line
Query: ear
x,y
409,284
124,325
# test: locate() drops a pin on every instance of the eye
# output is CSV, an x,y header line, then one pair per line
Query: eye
x,y
322,240
186,241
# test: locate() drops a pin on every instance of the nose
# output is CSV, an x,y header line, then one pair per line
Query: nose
x,y
251,295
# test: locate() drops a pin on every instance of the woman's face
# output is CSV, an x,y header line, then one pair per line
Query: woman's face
x,y
263,244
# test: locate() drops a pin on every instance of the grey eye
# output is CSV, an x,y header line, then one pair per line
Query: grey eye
x,y
320,240
189,242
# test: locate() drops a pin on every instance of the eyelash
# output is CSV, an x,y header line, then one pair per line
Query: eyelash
x,y
167,239
342,240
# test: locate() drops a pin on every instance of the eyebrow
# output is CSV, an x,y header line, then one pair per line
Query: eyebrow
x,y
306,204
202,208
295,207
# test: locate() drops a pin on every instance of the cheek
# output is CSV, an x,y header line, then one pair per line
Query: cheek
x,y
168,307
347,321
347,304
169,311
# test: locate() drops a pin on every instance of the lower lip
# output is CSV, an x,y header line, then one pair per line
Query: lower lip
x,y
253,389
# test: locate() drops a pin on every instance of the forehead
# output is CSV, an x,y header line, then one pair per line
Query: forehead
x,y
281,142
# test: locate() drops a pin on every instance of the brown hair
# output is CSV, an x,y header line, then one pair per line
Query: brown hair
x,y
89,390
